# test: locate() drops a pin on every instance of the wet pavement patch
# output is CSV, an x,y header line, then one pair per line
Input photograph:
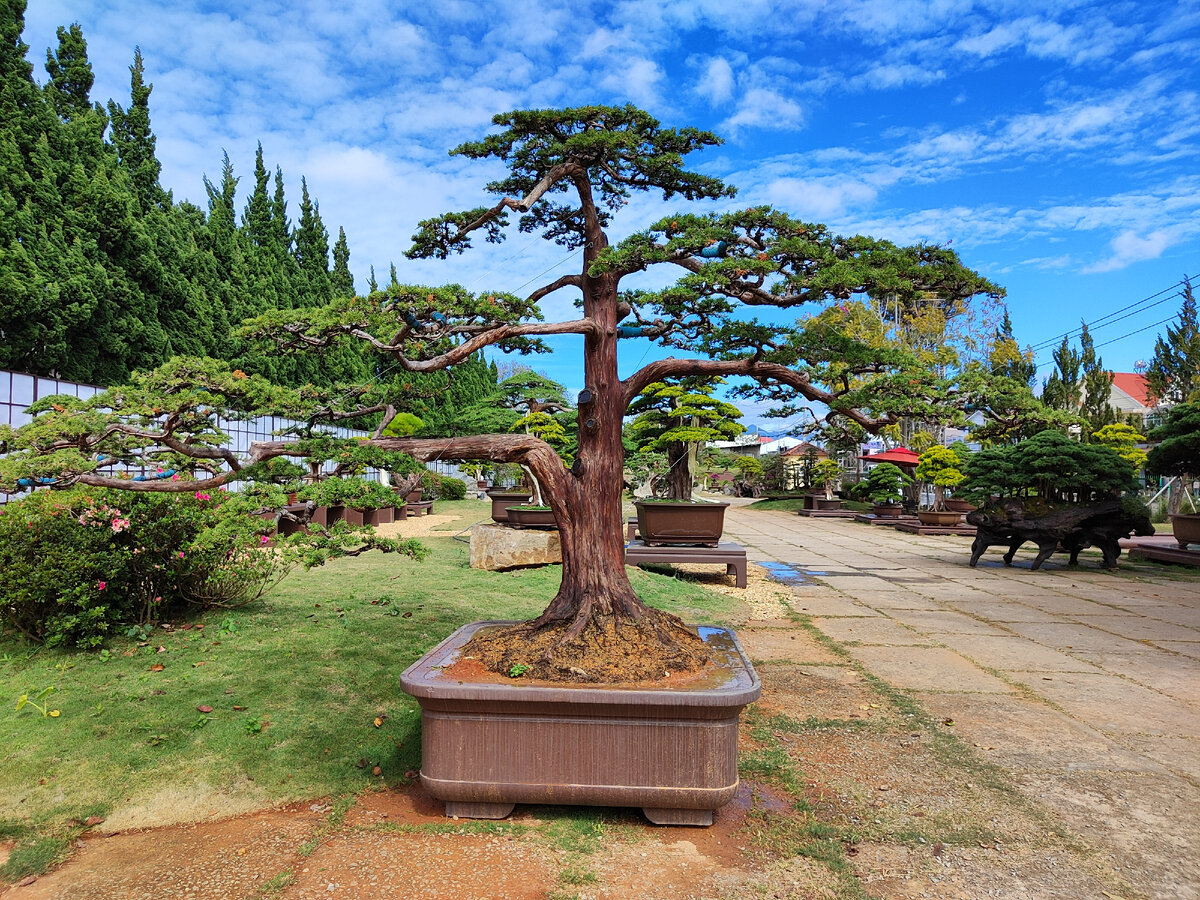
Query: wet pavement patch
x,y
785,573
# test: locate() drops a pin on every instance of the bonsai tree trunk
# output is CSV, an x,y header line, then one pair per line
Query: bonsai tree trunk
x,y
679,471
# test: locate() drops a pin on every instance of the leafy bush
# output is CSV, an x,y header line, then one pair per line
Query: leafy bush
x,y
357,493
451,488
79,563
1179,452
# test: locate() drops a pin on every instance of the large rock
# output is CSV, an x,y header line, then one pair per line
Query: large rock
x,y
498,547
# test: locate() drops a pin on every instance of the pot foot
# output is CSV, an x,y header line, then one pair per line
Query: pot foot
x,y
462,809
662,816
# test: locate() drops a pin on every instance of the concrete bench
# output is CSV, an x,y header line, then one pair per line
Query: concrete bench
x,y
732,556
420,508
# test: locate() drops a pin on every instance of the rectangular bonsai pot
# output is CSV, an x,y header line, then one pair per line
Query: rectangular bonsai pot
x,y
673,522
670,750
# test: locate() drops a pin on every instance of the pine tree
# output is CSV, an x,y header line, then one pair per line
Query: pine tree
x,y
312,251
1173,375
1006,357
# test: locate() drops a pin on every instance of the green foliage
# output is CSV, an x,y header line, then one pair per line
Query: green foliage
x,y
357,493
884,484
1049,466
79,563
940,467
403,424
675,418
1178,452
1123,439
449,488
102,272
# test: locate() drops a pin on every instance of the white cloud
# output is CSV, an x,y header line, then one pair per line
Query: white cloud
x,y
761,108
1129,247
717,82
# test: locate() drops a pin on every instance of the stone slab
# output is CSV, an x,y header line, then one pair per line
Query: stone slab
x,y
498,547
870,630
927,669
1025,735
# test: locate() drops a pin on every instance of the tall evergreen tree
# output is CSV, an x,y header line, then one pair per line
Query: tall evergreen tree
x,y
1096,384
1173,375
341,281
1061,389
133,138
1007,358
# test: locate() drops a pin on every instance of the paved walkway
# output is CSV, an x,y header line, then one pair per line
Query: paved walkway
x,y
1084,684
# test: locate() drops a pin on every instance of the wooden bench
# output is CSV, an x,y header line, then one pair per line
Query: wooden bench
x,y
420,507
732,556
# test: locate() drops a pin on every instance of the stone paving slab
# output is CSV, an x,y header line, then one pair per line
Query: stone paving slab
x,y
927,669
1141,627
1145,818
1073,636
942,621
1024,735
1011,652
1111,703
879,630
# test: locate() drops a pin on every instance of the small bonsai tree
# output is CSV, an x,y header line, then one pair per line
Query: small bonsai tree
x,y
884,484
939,467
677,418
826,472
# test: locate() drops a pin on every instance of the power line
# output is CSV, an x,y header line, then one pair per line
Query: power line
x,y
1130,309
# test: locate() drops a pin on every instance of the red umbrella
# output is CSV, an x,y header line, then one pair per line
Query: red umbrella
x,y
901,456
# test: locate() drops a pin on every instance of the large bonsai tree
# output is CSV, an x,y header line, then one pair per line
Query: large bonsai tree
x,y
569,171
677,418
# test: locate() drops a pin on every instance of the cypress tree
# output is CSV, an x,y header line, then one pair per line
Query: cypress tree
x,y
340,280
134,140
1096,382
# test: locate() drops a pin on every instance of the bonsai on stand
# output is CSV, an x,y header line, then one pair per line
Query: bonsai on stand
x,y
939,467
676,419
826,473
884,487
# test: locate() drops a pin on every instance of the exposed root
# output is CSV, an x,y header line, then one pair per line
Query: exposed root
x,y
606,651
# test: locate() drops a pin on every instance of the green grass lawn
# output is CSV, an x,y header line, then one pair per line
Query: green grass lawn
x,y
296,684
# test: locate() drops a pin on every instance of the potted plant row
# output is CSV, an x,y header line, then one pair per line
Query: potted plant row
x,y
357,501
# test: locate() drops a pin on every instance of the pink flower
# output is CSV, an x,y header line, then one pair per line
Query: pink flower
x,y
100,584
181,554
158,599
265,538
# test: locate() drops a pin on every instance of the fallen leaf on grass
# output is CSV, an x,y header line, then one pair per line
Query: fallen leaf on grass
x,y
379,721
204,709
949,723
157,667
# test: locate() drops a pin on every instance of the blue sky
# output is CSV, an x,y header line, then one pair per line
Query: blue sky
x,y
1054,144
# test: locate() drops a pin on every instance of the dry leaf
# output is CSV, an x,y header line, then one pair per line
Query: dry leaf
x,y
378,721
157,667
204,709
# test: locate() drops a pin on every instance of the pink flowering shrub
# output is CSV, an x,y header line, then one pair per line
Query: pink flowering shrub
x,y
77,564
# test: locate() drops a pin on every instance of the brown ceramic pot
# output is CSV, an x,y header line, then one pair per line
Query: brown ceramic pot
x,y
662,522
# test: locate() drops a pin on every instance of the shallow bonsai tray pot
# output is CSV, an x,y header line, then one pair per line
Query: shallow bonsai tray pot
x,y
502,500
1186,529
671,750
662,522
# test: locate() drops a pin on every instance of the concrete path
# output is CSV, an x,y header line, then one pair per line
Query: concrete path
x,y
1084,684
